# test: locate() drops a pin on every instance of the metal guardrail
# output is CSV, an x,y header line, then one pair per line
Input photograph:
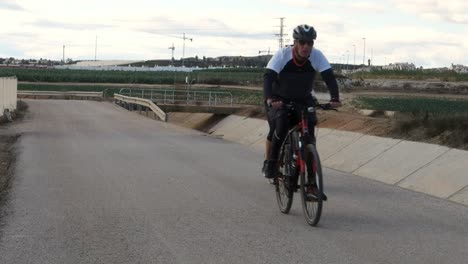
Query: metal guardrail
x,y
188,97
143,102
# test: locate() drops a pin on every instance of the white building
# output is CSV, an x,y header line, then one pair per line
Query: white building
x,y
400,66
459,68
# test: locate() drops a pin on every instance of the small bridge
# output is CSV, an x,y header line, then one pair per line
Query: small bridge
x,y
187,100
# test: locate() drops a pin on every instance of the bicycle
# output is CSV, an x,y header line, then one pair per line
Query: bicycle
x,y
299,159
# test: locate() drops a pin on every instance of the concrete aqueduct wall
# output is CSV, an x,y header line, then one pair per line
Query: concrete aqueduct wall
x,y
8,93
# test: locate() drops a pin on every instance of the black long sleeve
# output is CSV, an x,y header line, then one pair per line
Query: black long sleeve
x,y
269,78
329,78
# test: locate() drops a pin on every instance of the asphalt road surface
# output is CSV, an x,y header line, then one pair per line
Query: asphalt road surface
x,y
94,183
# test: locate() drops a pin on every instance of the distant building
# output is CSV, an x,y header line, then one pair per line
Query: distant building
x,y
400,66
459,68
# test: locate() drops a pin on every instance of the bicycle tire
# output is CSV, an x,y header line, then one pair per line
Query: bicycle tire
x,y
312,207
284,193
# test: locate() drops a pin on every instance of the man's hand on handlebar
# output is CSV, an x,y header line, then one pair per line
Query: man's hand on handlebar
x,y
276,104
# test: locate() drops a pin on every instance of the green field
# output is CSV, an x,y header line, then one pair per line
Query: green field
x,y
238,76
225,76
412,75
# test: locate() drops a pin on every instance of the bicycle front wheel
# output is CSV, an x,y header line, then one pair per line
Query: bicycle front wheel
x,y
311,182
284,192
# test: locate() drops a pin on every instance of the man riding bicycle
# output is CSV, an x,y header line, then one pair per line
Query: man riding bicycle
x,y
289,78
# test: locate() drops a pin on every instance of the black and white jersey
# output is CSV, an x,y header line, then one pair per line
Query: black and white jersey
x,y
294,81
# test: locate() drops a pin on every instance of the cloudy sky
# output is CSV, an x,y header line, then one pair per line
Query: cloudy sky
x,y
429,33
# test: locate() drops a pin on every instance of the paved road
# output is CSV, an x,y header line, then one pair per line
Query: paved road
x,y
96,184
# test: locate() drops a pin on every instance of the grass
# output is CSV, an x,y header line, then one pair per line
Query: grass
x,y
446,129
440,121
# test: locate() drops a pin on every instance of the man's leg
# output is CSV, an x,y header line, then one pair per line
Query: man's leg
x,y
312,122
269,138
280,123
267,155
267,149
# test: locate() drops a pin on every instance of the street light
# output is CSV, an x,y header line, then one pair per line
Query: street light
x,y
347,60
364,55
354,54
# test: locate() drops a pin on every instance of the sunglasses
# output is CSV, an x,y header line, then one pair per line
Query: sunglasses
x,y
303,42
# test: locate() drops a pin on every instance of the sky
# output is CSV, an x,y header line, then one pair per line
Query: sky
x,y
428,33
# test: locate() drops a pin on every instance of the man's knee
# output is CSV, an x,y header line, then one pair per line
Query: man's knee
x,y
270,135
312,120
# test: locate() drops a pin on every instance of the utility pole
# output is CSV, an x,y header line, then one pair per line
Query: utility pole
x,y
183,48
63,54
172,48
347,60
364,54
95,49
281,33
354,54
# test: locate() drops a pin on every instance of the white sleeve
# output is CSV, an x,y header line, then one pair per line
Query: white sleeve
x,y
276,62
318,60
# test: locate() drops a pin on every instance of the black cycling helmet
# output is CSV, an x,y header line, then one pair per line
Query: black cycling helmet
x,y
304,33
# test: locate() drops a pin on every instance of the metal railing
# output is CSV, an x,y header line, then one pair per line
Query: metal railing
x,y
143,102
188,97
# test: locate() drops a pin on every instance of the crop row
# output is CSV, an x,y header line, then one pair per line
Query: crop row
x,y
226,77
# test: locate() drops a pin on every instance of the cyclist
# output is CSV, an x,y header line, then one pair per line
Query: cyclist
x,y
289,78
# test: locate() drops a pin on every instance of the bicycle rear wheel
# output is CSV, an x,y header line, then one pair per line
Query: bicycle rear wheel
x,y
284,192
311,184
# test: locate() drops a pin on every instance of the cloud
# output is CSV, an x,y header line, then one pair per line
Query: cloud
x,y
206,27
10,5
9,50
297,3
452,11
72,26
366,7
